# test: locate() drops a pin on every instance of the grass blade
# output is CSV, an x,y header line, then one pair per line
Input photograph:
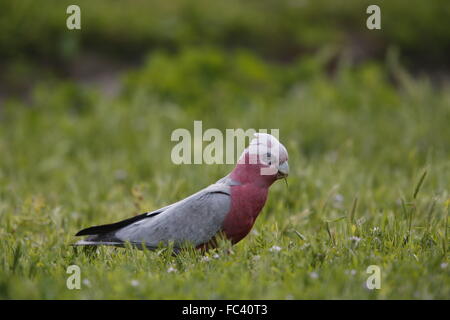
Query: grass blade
x,y
352,213
419,184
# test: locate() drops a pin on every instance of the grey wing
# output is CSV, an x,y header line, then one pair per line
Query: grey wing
x,y
195,219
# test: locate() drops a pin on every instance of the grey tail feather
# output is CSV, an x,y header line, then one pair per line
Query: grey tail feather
x,y
100,239
97,243
118,243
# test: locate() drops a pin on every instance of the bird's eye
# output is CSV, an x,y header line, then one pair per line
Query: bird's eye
x,y
268,155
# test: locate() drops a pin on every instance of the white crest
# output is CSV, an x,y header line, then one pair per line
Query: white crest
x,y
268,150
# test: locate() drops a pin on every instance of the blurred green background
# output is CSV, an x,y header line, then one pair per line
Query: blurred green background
x,y
86,118
35,44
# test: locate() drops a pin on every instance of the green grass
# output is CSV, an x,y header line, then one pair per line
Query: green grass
x,y
358,145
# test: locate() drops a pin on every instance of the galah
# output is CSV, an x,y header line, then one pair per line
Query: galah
x,y
228,207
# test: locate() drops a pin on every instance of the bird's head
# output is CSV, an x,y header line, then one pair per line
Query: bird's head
x,y
263,162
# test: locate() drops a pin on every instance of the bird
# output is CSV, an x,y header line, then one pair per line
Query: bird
x,y
227,208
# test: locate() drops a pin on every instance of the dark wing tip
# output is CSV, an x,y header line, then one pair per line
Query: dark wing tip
x,y
90,231
114,226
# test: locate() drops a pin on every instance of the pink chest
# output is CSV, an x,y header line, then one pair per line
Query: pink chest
x,y
246,203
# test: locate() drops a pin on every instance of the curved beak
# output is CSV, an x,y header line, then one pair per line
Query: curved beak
x,y
283,170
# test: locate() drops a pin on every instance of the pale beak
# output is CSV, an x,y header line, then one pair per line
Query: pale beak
x,y
283,170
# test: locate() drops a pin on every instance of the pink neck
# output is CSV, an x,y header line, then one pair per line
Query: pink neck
x,y
251,174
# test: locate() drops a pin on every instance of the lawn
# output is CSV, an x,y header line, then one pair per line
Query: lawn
x,y
369,150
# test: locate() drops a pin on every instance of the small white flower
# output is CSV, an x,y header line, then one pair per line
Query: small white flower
x,y
121,174
205,259
444,265
350,272
355,239
313,275
216,256
339,198
171,269
275,249
361,221
305,246
74,214
86,282
134,283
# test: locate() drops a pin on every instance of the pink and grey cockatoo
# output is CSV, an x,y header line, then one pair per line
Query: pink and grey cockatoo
x,y
228,207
